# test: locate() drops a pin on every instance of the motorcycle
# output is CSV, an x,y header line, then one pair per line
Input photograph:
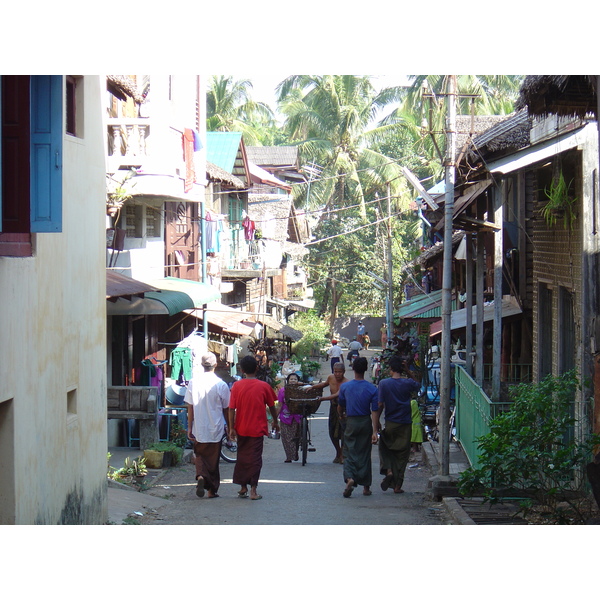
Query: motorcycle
x,y
429,398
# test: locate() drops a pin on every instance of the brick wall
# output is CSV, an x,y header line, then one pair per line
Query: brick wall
x,y
557,262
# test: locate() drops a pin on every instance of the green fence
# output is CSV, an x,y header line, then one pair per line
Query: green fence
x,y
474,410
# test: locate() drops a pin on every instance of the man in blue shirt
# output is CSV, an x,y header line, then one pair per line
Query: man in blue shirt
x,y
394,442
357,399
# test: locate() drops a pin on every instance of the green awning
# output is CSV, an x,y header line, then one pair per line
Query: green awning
x,y
422,306
174,301
200,293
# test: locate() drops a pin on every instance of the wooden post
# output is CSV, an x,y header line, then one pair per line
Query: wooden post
x,y
498,258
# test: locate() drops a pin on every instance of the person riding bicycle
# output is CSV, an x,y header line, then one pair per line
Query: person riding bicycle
x,y
353,350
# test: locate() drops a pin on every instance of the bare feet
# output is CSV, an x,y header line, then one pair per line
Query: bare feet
x,y
200,487
253,494
367,491
349,488
398,490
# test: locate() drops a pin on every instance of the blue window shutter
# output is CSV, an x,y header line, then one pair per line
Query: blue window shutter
x,y
46,153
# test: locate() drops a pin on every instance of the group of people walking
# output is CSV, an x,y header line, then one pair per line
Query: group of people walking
x,y
356,407
212,405
355,424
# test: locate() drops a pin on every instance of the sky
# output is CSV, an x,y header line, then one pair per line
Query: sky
x,y
264,84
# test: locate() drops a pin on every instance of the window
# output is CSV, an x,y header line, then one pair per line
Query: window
x,y
142,221
566,330
31,160
545,341
74,105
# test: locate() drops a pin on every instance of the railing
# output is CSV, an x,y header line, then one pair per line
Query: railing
x,y
474,411
510,373
127,137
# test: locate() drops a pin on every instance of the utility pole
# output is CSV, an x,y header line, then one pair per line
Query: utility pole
x,y
446,375
390,290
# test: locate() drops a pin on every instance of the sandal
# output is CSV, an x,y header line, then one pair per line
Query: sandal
x,y
387,481
200,487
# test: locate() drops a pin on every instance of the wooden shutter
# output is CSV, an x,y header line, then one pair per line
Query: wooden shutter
x,y
15,154
46,153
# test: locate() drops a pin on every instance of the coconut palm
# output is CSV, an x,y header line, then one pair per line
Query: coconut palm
x,y
330,118
493,94
230,108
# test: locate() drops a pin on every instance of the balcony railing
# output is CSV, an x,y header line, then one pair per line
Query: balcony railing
x,y
474,411
128,138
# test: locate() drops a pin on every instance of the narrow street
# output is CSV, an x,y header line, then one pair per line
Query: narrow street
x,y
297,495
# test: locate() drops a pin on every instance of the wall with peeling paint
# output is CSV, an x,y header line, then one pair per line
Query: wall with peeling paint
x,y
53,439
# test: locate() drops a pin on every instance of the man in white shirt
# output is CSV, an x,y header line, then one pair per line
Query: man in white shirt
x,y
353,350
207,397
335,353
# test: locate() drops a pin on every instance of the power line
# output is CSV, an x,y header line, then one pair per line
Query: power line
x,y
353,230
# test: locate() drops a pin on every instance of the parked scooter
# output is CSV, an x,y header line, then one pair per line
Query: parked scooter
x,y
429,396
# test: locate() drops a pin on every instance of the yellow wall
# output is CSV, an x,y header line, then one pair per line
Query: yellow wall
x,y
53,336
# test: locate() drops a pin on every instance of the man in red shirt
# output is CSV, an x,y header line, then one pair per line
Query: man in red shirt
x,y
248,423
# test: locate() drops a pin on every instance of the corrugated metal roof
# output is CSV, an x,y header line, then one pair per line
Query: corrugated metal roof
x,y
119,285
222,148
424,306
261,176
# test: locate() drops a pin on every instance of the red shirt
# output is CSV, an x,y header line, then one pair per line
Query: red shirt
x,y
249,397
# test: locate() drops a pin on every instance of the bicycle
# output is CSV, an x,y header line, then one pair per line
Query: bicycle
x,y
305,442
299,404
228,448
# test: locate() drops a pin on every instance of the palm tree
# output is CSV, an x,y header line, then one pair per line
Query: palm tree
x,y
330,118
230,108
493,94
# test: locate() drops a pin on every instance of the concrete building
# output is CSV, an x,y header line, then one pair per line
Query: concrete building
x,y
52,302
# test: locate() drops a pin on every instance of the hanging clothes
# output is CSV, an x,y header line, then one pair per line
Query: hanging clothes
x,y
249,228
181,364
232,357
210,228
188,157
219,233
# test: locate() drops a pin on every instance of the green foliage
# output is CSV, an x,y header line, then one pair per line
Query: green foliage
x,y
309,368
130,470
314,331
176,451
532,450
230,108
558,201
178,434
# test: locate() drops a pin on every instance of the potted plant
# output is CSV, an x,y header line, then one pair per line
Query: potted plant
x,y
136,469
154,458
119,194
560,204
172,453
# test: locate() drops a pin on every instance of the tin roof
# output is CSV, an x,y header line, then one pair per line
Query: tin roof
x,y
226,150
119,285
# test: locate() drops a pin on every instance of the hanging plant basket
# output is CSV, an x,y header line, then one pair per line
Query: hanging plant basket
x,y
560,204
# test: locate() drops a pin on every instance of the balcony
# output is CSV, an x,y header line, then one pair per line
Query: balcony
x,y
127,142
